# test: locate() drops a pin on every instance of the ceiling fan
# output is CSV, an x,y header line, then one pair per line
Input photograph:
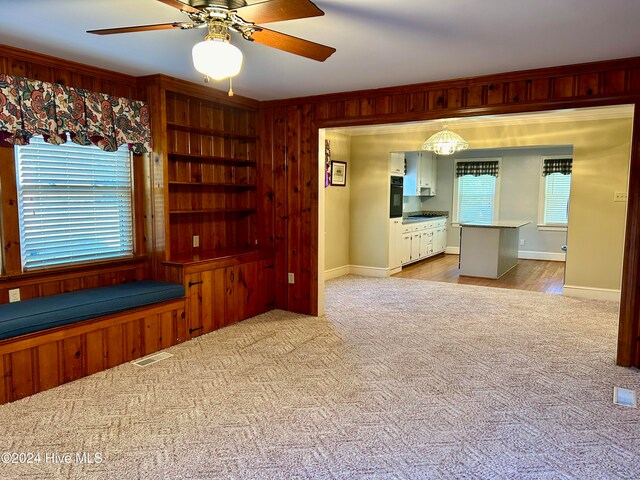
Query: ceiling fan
x,y
215,57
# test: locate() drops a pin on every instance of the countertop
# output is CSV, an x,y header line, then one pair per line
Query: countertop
x,y
504,224
422,219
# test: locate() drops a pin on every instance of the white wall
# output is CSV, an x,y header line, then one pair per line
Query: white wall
x,y
337,207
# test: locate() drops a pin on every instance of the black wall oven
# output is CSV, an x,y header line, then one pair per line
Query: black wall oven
x,y
395,200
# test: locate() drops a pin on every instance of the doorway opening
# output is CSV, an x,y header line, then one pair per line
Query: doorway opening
x,y
354,219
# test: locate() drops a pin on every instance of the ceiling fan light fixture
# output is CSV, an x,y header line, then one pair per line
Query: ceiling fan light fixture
x,y
445,142
217,58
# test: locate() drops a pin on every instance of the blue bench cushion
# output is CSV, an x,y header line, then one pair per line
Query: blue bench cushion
x,y
45,312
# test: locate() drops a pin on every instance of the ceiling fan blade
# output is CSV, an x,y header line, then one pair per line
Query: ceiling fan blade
x,y
180,6
279,10
139,28
295,45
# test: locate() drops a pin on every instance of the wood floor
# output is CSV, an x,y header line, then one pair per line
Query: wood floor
x,y
533,275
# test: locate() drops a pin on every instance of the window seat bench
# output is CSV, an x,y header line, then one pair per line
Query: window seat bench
x,y
51,340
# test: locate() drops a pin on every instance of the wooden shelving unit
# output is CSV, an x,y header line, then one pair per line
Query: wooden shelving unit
x,y
210,178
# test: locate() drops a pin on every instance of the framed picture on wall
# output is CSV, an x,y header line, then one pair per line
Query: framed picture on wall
x,y
338,173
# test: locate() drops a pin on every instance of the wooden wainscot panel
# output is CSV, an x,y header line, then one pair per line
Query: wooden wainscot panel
x,y
39,361
49,366
73,354
21,374
4,397
95,348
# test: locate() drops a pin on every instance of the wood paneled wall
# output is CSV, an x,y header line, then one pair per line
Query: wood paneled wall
x,y
49,69
288,130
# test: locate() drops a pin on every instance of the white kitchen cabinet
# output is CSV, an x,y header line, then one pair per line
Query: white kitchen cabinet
x,y
439,239
422,239
395,243
396,166
420,175
426,243
415,246
405,250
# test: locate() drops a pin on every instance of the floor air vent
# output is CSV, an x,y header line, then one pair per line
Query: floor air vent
x,y
150,359
624,397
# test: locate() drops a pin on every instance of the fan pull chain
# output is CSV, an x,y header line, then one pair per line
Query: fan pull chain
x,y
231,86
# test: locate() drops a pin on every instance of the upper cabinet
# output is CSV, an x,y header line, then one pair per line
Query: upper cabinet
x,y
420,176
396,166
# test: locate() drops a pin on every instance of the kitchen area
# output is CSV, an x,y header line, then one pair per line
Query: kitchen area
x,y
374,230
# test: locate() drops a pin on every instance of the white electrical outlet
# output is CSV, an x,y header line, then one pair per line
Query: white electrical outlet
x,y
14,295
292,278
522,242
620,196
196,241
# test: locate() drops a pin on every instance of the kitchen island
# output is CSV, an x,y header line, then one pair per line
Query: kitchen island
x,y
489,250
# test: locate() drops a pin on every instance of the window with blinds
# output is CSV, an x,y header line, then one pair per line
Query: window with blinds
x,y
476,198
556,198
74,202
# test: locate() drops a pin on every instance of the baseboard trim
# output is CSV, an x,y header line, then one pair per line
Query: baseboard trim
x,y
368,271
593,293
336,272
550,256
452,250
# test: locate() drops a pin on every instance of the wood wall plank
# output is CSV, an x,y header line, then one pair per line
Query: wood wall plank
x,y
95,352
9,196
4,397
73,354
48,366
22,374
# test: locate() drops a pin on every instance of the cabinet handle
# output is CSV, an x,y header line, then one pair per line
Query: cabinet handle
x,y
191,284
191,330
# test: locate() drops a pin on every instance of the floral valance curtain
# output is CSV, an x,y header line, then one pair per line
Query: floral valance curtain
x,y
557,165
31,107
477,168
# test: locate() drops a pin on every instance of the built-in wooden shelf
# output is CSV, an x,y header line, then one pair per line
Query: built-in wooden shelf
x,y
212,159
211,131
238,186
214,210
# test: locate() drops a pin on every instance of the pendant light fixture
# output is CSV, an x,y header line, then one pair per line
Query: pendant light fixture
x,y
445,142
215,57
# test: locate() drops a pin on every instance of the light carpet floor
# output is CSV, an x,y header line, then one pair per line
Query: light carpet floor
x,y
401,379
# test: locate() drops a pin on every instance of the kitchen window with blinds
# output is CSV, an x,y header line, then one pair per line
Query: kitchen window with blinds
x,y
554,192
476,188
74,203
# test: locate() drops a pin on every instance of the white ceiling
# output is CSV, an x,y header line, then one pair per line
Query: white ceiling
x,y
379,43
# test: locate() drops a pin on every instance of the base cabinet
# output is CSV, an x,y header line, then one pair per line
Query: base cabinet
x,y
421,240
219,295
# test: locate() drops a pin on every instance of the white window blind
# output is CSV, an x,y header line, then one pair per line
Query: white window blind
x,y
556,198
476,198
74,203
